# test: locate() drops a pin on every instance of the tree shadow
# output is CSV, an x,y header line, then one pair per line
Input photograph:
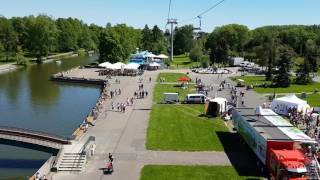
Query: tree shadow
x,y
240,155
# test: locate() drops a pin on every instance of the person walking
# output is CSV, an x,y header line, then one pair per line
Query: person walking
x,y
149,79
112,106
111,158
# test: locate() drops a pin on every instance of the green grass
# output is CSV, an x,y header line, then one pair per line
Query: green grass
x,y
171,77
171,172
294,88
179,128
313,100
170,88
182,61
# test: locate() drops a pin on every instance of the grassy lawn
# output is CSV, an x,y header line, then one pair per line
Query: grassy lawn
x,y
313,99
294,88
182,61
171,77
160,172
170,88
179,128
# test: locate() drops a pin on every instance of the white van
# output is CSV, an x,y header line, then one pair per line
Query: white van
x,y
244,64
171,97
195,98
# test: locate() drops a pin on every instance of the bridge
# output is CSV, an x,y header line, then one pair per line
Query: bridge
x,y
32,139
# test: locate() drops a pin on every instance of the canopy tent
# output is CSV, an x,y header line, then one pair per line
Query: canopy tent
x,y
162,56
118,65
283,104
105,65
154,64
132,66
184,79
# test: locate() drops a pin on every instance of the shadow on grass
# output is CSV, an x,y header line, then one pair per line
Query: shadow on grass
x,y
240,155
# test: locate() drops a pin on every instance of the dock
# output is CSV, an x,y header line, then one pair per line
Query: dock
x,y
81,75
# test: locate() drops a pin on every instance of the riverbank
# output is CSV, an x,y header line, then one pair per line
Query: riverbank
x,y
4,68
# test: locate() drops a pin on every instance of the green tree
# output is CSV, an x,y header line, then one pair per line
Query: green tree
x,y
183,39
311,54
146,41
159,44
282,74
109,47
225,41
67,35
303,72
196,52
41,37
8,37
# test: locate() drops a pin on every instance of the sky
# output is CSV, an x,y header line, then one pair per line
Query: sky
x,y
137,13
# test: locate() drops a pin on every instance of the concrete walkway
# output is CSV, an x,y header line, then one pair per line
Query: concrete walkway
x,y
124,134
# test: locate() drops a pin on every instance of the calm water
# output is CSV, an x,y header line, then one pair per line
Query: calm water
x,y
29,100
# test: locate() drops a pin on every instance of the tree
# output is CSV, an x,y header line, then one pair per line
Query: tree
x,y
225,41
303,72
67,35
282,74
146,41
109,47
41,37
196,53
8,37
311,54
158,40
183,39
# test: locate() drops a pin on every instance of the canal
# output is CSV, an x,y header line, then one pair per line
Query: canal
x,y
29,100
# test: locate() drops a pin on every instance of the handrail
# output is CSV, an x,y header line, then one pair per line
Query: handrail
x,y
318,166
89,140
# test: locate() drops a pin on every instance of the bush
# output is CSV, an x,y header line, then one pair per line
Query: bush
x,y
21,60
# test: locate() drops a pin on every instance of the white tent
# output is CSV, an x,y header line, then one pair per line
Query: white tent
x,y
118,65
282,105
132,66
105,65
162,56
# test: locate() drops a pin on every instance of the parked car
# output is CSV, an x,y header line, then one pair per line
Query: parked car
x,y
195,98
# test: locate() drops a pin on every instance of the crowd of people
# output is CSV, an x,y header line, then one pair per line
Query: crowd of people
x,y
308,122
40,176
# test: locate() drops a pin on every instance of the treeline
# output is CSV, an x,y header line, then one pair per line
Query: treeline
x,y
38,36
119,41
279,48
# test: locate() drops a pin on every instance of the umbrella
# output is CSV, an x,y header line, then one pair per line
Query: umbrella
x,y
184,79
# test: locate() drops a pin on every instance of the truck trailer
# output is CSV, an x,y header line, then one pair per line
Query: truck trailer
x,y
281,147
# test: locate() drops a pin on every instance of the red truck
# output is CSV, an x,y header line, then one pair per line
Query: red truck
x,y
282,148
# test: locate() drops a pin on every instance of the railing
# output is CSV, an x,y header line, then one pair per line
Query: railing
x,y
14,131
317,167
88,143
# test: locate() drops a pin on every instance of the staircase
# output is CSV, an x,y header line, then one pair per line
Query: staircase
x,y
72,162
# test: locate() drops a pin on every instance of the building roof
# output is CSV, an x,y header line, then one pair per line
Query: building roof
x,y
272,126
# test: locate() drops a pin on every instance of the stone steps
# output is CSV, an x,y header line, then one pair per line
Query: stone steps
x,y
72,162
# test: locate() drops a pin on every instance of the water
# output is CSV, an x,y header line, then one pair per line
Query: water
x,y
29,100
